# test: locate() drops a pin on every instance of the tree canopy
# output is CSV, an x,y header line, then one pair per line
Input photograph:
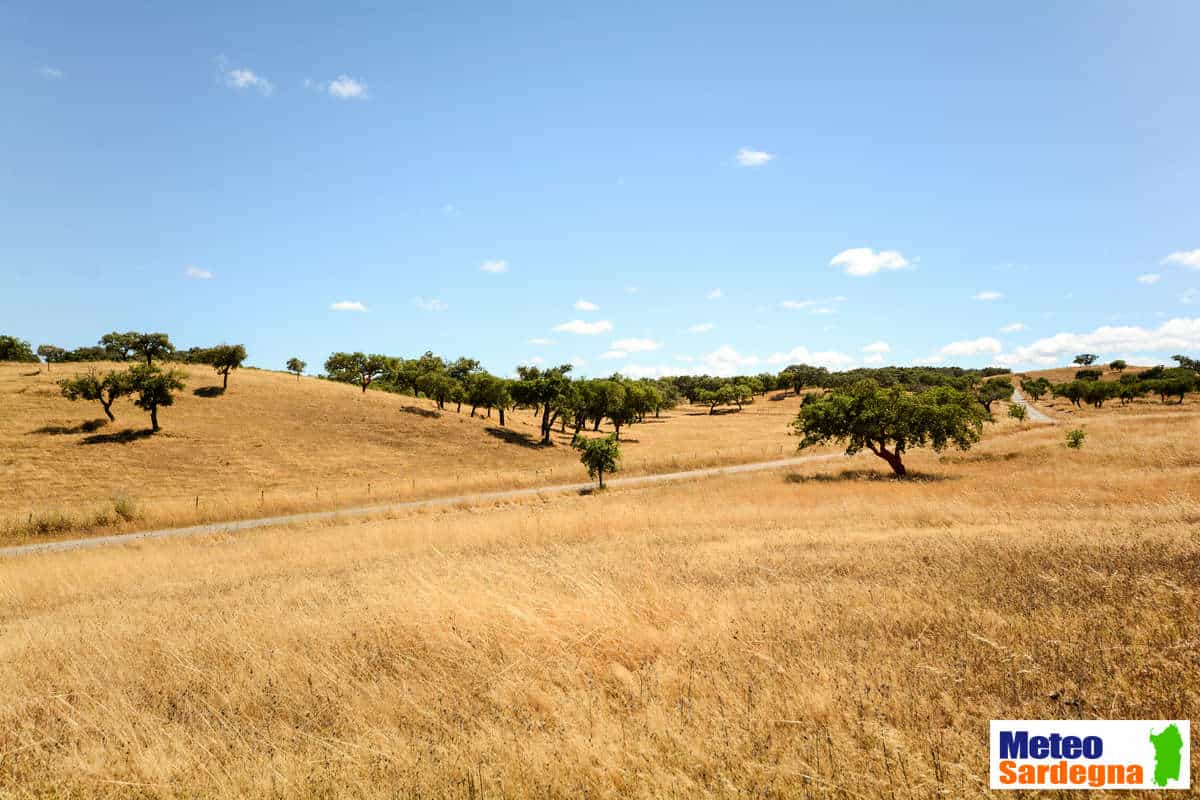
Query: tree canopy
x,y
890,421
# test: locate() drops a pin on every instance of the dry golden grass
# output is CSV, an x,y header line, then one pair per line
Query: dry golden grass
x,y
273,444
1063,410
819,634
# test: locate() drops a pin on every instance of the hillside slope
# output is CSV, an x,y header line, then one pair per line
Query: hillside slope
x,y
275,443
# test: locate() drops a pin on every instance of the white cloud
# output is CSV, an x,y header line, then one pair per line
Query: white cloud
x,y
985,345
797,305
703,327
747,157
861,261
824,310
802,355
640,371
494,267
987,296
541,340
876,358
584,305
1013,327
584,328
432,304
1149,278
636,345
531,362
878,347
576,361
685,359
609,354
51,73
242,78
198,273
346,88
1173,336
1188,258
347,305
715,294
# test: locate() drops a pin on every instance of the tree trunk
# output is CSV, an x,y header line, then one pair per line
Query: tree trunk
x,y
600,472
364,387
473,407
154,418
108,410
501,416
893,459
458,410
596,424
224,380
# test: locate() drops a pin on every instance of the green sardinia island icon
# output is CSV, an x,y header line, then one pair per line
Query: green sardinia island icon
x,y
1168,749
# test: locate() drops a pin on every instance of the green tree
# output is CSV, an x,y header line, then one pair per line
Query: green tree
x,y
1017,412
14,349
51,354
154,388
801,376
225,358
889,422
102,388
599,455
1035,388
541,389
1118,365
1086,359
153,345
994,389
119,346
1089,374
1185,362
296,366
356,367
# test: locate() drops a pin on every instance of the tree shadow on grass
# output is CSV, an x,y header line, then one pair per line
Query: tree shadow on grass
x,y
121,437
775,398
65,430
421,412
513,437
209,391
865,475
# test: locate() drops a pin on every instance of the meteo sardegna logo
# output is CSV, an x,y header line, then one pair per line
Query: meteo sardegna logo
x,y
1091,754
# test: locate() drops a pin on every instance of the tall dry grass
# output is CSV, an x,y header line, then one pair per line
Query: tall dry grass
x,y
823,633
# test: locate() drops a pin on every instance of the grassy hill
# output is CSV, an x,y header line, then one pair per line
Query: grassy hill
x,y
273,443
816,633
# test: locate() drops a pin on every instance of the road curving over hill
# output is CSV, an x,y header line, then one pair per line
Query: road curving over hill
x,y
433,502
1035,414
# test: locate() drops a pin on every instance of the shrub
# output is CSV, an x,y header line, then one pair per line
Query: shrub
x,y
1075,438
1017,412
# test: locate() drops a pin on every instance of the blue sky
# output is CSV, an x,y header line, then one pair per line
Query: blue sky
x,y
727,188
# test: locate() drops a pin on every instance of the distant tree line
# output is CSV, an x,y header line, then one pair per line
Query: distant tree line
x,y
1087,387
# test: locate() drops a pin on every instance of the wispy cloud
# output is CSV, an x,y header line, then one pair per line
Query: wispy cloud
x,y
541,340
51,73
987,296
715,294
1187,258
432,304
584,305
494,267
878,347
703,327
748,157
242,78
985,345
343,87
583,328
197,273
636,345
1149,278
347,305
863,261
1013,327
821,358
